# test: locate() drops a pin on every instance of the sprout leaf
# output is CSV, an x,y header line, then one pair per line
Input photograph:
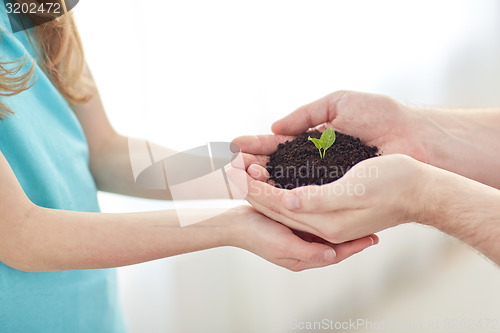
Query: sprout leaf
x,y
326,141
328,138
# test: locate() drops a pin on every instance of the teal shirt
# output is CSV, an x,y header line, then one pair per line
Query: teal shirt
x,y
46,148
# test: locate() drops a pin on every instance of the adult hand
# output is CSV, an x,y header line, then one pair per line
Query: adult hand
x,y
375,194
456,205
293,250
377,120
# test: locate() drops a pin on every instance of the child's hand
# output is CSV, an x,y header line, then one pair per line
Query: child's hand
x,y
280,245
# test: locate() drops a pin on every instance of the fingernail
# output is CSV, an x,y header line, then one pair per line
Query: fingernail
x,y
291,202
329,254
373,241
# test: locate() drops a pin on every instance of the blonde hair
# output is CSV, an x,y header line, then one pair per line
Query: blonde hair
x,y
60,55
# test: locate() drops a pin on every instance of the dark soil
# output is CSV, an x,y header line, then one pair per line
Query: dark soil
x,y
297,163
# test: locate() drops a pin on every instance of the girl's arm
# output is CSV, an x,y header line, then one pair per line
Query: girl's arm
x,y
111,154
109,151
34,239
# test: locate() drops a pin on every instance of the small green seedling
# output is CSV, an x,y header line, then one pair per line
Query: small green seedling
x,y
326,141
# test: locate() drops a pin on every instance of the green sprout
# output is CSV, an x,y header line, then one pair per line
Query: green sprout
x,y
326,141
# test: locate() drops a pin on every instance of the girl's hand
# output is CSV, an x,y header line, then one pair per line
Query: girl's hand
x,y
280,245
375,194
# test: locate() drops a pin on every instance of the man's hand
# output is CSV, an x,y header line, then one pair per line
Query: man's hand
x,y
377,120
374,195
380,193
402,189
463,141
293,250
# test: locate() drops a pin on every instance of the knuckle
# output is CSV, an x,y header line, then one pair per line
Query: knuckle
x,y
405,161
390,101
339,98
341,94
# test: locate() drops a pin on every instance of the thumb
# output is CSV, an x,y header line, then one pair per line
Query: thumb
x,y
308,116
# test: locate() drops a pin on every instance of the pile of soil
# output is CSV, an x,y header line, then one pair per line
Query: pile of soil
x,y
297,163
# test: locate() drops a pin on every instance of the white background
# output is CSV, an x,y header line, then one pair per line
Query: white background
x,y
182,73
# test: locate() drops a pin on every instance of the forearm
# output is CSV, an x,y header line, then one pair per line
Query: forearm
x,y
465,209
464,141
48,240
112,167
118,165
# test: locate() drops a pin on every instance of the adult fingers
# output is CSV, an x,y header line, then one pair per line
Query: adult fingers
x,y
309,116
250,159
269,200
339,195
258,172
348,249
308,237
260,144
264,197
277,216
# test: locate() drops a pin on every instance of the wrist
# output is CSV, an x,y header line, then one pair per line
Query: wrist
x,y
233,222
215,228
427,133
434,194
440,133
467,210
417,201
447,198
